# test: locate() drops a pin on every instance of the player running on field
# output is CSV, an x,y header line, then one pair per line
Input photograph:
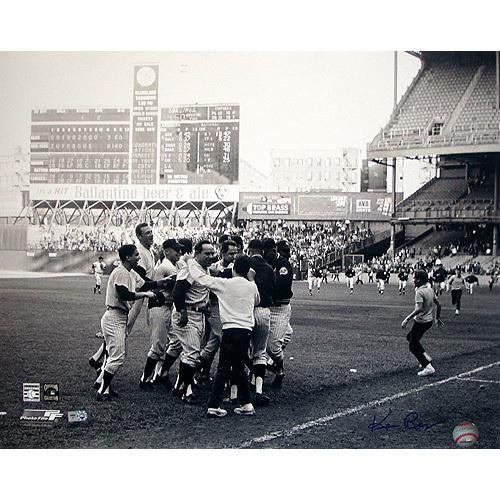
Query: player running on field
x,y
423,319
439,275
403,280
382,276
470,282
349,277
317,278
456,283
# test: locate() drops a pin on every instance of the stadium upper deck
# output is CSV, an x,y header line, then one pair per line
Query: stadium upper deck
x,y
450,107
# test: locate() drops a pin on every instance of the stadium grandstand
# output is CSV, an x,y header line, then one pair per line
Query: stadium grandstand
x,y
89,186
449,116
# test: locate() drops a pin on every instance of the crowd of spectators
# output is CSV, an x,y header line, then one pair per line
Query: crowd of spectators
x,y
307,240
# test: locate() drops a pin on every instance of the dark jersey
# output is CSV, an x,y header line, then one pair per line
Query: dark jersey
x,y
403,276
439,275
382,275
471,279
284,277
350,273
264,279
317,273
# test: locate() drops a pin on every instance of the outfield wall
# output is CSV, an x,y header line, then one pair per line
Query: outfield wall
x,y
63,261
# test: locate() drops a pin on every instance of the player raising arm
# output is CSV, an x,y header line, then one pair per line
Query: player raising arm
x,y
423,316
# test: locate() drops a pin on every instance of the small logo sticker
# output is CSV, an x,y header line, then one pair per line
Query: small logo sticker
x,y
31,392
51,392
77,416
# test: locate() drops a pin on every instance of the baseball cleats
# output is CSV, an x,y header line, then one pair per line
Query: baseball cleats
x,y
216,412
457,312
428,370
271,367
177,392
163,381
262,400
145,386
247,410
278,380
94,364
102,397
190,400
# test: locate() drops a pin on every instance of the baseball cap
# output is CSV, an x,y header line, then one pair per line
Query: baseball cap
x,y
186,244
268,244
237,239
223,238
174,244
282,245
255,244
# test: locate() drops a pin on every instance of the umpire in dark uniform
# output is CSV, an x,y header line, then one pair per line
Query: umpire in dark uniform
x,y
280,310
265,281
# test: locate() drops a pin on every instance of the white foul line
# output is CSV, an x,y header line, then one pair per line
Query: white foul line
x,y
323,420
470,379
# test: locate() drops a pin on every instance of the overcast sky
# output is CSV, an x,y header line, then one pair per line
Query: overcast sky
x,y
289,100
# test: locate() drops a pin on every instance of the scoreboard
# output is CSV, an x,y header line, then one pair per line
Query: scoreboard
x,y
73,146
141,153
199,145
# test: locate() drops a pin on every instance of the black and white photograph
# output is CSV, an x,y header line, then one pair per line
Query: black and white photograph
x,y
249,248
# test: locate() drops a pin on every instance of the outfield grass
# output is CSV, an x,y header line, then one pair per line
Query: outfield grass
x,y
47,334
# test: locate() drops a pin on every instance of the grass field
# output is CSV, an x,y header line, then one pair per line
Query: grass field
x,y
47,332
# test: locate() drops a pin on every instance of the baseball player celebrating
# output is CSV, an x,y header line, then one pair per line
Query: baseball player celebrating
x,y
120,293
220,269
145,268
423,319
237,299
280,311
160,316
98,267
403,280
349,276
266,282
190,300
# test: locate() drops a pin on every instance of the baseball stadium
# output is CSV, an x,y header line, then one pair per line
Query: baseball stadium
x,y
346,374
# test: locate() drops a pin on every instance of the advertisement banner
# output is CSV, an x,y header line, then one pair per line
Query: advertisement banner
x,y
92,192
318,206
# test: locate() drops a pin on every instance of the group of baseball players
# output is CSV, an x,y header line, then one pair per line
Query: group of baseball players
x,y
200,301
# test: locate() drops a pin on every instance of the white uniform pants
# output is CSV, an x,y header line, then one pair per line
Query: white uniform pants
x,y
189,336
114,327
260,335
160,319
280,318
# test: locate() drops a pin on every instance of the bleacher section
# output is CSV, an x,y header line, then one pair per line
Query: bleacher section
x,y
480,113
446,105
438,193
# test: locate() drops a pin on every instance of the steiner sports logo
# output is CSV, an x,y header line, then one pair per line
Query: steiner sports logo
x,y
40,417
31,392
